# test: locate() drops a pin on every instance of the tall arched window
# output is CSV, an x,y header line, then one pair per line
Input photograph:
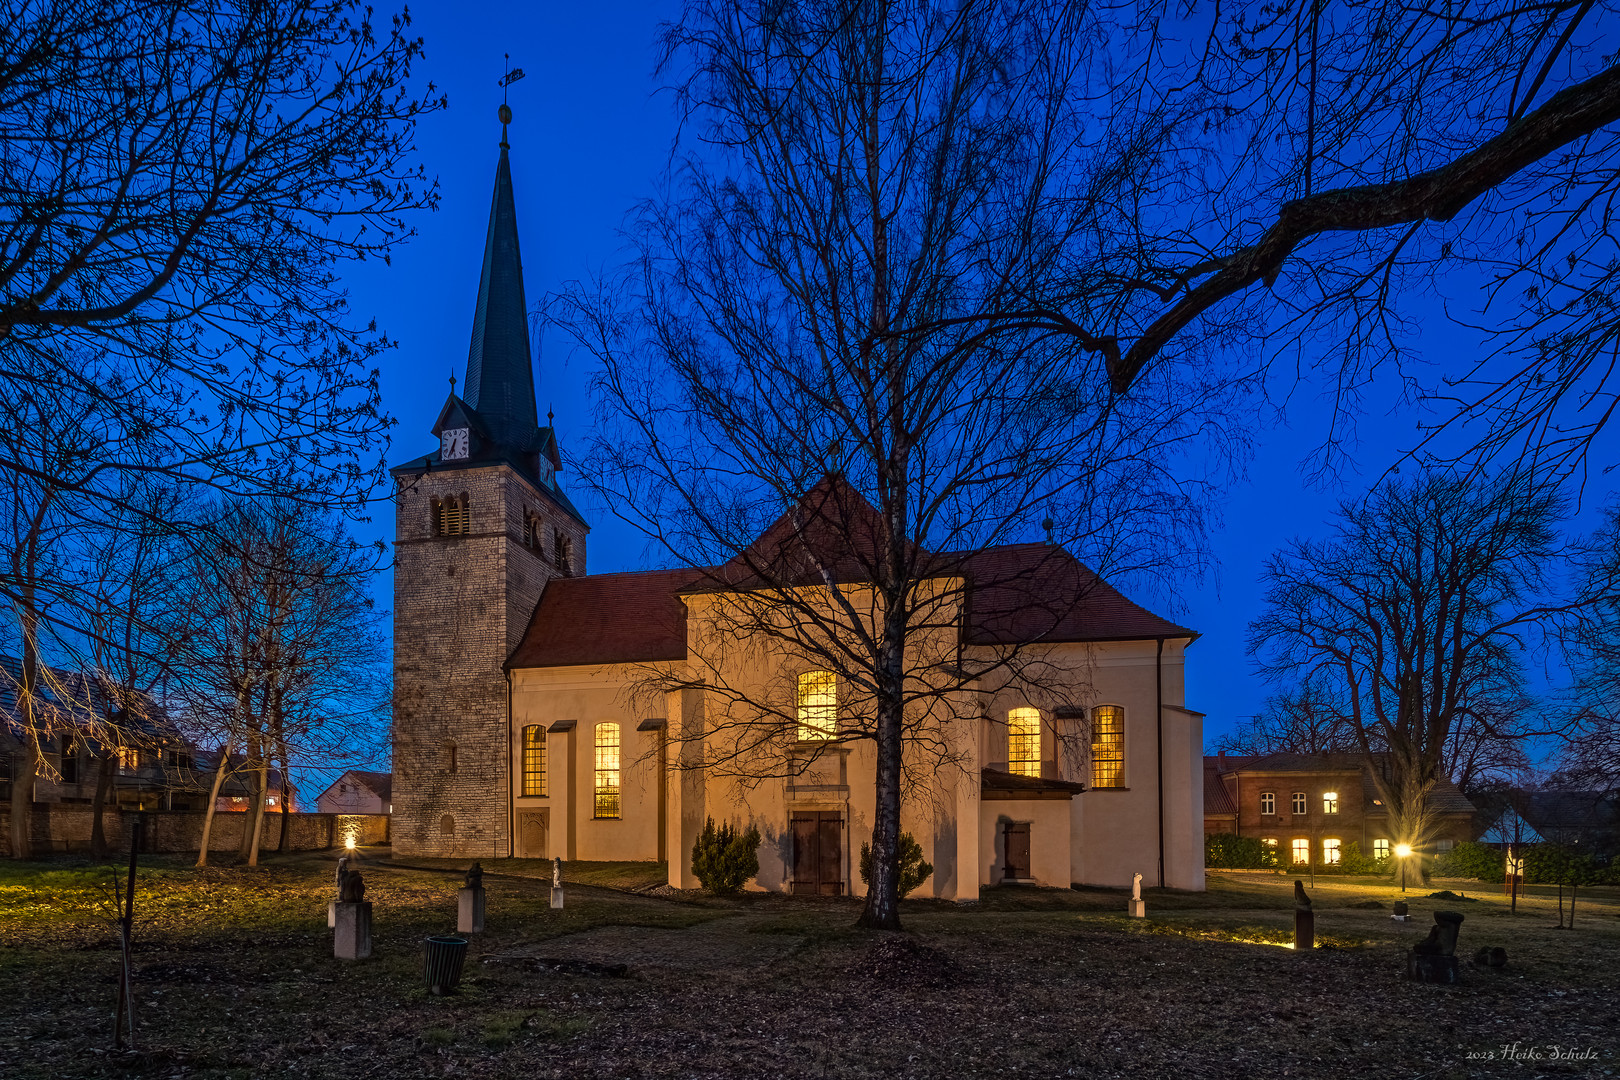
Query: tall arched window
x,y
1024,742
607,770
1108,746
452,516
562,553
818,705
534,760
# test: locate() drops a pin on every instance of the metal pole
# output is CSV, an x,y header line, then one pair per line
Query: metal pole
x,y
126,986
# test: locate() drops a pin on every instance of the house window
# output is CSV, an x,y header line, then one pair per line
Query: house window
x,y
1268,802
1443,847
1381,848
1330,852
1302,849
129,759
1299,804
818,705
1330,802
452,516
1024,742
1108,747
534,760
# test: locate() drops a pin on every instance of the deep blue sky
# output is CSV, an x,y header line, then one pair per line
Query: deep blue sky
x,y
590,137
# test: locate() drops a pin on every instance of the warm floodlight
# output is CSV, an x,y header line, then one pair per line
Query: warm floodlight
x,y
349,842
1402,850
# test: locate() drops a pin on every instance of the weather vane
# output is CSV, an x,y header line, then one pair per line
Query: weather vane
x,y
512,75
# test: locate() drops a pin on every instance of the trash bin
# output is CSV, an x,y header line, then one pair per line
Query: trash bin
x,y
442,966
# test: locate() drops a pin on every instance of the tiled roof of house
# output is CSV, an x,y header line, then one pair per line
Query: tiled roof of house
x,y
1217,800
380,783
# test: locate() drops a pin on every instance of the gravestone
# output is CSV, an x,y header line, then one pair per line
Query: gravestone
x,y
1400,911
1304,919
470,906
351,933
331,908
1138,908
1434,960
556,882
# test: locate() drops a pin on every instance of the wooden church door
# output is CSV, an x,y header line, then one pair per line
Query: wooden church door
x,y
1017,850
818,853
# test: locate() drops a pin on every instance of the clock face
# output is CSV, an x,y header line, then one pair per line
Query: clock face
x,y
453,444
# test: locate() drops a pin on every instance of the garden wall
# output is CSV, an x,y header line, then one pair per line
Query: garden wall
x,y
58,827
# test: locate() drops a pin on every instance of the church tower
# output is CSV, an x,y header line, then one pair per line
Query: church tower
x,y
480,526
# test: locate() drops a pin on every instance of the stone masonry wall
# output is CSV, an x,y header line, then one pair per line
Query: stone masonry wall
x,y
461,604
58,827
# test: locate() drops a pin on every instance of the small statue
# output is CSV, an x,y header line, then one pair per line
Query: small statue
x,y
1302,902
556,872
351,890
1136,886
475,877
342,868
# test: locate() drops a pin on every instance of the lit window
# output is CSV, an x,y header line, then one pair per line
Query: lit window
x,y
1330,802
1330,852
1269,841
607,770
1302,850
818,705
1024,742
1381,848
1299,804
129,759
1108,747
534,760
1268,802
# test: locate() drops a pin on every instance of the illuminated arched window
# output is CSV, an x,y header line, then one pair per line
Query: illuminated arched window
x,y
1330,802
1024,742
607,770
534,760
818,705
1108,746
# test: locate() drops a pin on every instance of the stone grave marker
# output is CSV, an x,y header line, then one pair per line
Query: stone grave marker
x,y
1304,918
351,936
470,905
556,883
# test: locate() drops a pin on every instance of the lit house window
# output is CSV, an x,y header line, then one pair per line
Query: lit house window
x,y
129,759
1270,842
534,760
818,705
607,770
452,516
1268,802
1024,742
1330,802
1330,852
1381,848
1108,747
1299,804
1302,849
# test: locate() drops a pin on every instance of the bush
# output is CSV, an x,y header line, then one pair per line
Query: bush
x,y
1352,861
913,870
1223,851
1471,859
724,859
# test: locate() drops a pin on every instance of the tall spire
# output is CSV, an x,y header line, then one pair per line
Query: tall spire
x,y
500,378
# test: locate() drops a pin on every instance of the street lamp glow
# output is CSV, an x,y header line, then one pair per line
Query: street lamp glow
x,y
349,842
1401,850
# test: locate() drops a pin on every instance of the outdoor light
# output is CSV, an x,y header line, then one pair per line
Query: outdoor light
x,y
349,842
1401,852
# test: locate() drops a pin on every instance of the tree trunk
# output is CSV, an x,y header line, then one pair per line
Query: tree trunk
x,y
213,801
882,910
24,764
105,770
283,845
262,789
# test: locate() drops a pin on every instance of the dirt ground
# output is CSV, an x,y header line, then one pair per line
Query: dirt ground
x,y
235,978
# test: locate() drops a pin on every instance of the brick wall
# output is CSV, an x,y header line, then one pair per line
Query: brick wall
x,y
58,827
461,605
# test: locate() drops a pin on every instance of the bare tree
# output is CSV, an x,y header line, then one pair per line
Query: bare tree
x,y
1303,720
1417,615
281,651
1591,757
835,335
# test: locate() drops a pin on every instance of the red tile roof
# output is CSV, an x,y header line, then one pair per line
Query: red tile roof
x,y
1016,593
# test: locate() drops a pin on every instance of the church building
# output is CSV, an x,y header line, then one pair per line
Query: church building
x,y
543,711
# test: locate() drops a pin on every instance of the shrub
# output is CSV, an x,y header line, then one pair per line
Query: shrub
x,y
724,859
1471,859
1223,851
1352,861
913,870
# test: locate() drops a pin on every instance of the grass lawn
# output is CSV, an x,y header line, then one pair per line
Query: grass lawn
x,y
235,978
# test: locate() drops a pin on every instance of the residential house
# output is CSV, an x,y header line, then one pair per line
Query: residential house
x,y
358,792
